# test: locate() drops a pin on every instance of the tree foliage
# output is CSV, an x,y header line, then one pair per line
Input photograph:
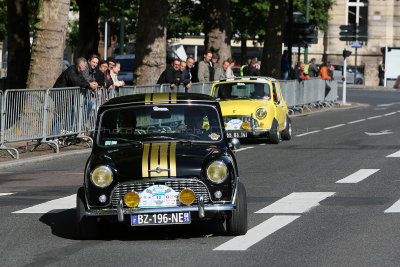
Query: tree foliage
x,y
319,11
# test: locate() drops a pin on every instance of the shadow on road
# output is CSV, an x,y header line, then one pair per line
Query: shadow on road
x,y
63,225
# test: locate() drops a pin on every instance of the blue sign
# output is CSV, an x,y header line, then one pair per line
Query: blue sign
x,y
356,45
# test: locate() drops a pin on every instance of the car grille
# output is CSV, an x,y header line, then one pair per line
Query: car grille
x,y
242,118
178,185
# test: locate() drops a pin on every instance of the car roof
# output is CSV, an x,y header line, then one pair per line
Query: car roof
x,y
162,98
250,78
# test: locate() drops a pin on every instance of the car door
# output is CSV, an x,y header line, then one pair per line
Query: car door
x,y
280,106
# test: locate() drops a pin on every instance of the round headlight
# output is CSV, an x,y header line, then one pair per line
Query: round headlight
x,y
187,196
245,125
261,113
217,172
102,176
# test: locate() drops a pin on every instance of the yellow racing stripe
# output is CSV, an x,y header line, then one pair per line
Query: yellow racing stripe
x,y
147,98
172,160
145,161
161,98
159,158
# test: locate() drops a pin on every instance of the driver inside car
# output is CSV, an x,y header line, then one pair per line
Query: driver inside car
x,y
259,92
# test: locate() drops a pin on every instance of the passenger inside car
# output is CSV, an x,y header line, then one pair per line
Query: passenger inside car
x,y
259,92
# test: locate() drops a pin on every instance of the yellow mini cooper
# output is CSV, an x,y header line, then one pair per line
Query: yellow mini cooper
x,y
253,106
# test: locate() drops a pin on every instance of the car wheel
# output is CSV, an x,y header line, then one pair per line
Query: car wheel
x,y
274,134
86,225
287,133
359,81
236,223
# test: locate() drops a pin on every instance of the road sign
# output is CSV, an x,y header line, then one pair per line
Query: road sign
x,y
356,45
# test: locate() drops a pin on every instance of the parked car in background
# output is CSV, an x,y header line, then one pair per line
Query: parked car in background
x,y
126,72
338,75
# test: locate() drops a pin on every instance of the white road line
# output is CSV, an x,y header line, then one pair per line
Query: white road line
x,y
297,202
374,117
356,121
53,206
388,114
257,233
394,155
335,126
303,134
244,148
262,144
358,176
6,194
394,208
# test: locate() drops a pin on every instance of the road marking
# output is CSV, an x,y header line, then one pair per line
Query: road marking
x,y
374,117
262,144
358,176
356,121
394,155
298,202
335,126
379,133
394,208
53,206
244,148
303,134
388,114
6,194
257,233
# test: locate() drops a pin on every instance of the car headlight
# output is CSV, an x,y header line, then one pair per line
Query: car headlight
x,y
217,172
102,176
261,113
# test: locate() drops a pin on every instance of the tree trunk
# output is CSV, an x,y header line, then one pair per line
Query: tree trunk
x,y
48,43
272,52
243,51
217,28
151,42
18,44
88,38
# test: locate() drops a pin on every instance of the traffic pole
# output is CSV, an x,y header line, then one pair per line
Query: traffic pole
x,y
344,81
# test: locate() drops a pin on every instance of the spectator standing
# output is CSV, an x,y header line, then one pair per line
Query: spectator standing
x,y
220,73
109,82
229,71
90,72
213,66
381,74
285,65
298,73
187,74
251,69
203,73
114,73
331,71
323,72
172,74
312,68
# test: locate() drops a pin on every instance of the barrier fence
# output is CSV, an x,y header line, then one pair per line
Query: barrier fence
x,y
55,115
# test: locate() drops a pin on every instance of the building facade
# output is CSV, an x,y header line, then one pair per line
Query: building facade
x,y
382,17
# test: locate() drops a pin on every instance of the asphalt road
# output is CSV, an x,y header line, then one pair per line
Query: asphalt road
x,y
328,197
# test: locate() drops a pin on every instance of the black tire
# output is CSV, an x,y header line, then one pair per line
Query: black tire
x,y
359,81
287,133
86,226
274,134
236,222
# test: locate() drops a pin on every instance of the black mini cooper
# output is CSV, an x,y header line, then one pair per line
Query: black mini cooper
x,y
160,159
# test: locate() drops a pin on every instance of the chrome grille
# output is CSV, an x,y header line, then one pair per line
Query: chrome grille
x,y
178,185
242,118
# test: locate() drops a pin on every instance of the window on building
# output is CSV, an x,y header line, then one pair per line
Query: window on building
x,y
357,12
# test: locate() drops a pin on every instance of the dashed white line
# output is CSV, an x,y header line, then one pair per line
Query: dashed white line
x,y
53,206
6,194
388,114
358,176
394,155
335,126
298,202
374,117
257,233
307,133
262,144
357,121
244,148
394,208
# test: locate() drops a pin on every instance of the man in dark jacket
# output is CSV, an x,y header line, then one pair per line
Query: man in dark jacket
x,y
187,74
251,69
172,74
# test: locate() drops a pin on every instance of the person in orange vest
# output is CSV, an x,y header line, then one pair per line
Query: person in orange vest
x,y
323,72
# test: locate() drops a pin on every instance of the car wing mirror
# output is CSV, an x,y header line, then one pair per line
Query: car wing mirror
x,y
234,144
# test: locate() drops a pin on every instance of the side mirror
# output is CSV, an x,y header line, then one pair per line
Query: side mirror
x,y
234,144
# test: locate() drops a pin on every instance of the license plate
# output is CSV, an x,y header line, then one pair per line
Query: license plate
x,y
160,218
236,134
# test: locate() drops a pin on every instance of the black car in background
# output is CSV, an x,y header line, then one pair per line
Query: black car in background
x,y
161,159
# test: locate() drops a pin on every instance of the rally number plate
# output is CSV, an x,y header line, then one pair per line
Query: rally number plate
x,y
236,134
160,218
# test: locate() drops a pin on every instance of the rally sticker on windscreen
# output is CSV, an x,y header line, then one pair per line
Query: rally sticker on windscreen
x,y
214,136
110,143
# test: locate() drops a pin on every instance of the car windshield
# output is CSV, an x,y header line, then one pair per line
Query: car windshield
x,y
242,90
194,123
